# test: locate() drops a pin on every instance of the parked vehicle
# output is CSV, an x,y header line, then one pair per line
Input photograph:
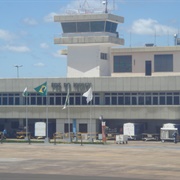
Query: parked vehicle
x,y
167,131
133,130
150,137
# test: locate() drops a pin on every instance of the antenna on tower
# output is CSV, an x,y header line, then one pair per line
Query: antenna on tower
x,y
105,3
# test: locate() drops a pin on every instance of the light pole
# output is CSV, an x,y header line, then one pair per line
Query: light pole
x,y
18,66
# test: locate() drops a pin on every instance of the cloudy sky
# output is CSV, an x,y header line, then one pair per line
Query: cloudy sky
x,y
27,31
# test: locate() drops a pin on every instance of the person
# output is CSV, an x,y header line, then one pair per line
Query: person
x,y
175,136
4,133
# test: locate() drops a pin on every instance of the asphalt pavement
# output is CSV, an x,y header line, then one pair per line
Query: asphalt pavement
x,y
136,160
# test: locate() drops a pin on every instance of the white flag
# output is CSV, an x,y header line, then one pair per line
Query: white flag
x,y
24,92
67,99
88,95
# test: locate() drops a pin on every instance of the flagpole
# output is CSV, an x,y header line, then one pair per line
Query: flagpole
x,y
90,124
26,119
47,122
69,122
68,113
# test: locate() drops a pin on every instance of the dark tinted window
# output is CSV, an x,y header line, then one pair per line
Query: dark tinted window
x,y
69,27
97,26
83,27
122,63
111,27
163,63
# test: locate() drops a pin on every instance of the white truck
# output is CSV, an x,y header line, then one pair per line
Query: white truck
x,y
133,130
167,131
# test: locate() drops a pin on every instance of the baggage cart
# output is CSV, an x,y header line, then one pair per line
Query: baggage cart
x,y
121,139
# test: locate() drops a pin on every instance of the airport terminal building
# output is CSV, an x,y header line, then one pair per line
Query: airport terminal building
x,y
136,84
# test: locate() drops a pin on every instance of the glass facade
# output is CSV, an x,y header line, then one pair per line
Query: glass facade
x,y
110,98
92,26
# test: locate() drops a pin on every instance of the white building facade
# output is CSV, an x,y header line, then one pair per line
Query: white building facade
x,y
140,85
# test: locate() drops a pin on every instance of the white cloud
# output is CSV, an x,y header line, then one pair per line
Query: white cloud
x,y
6,35
151,27
44,45
50,17
39,64
30,21
20,49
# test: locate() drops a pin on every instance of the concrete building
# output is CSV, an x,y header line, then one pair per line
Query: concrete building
x,y
129,84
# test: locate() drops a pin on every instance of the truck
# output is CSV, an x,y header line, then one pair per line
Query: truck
x,y
133,130
166,132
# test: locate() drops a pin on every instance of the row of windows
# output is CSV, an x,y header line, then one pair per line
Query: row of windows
x,y
94,26
162,63
121,98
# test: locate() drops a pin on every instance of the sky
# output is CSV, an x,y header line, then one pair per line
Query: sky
x,y
27,31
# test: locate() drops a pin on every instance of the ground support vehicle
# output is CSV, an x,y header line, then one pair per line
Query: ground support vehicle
x,y
167,131
121,139
150,137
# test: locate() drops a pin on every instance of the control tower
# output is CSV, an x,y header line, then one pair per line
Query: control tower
x,y
89,39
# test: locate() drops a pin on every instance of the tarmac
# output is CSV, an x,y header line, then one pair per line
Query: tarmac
x,y
136,160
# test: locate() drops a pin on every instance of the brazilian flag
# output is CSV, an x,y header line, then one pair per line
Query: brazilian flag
x,y
42,89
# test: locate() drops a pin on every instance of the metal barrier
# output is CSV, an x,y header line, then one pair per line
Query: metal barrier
x,y
57,135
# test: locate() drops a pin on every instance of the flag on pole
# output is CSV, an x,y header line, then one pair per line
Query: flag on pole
x,y
67,99
25,93
42,89
88,95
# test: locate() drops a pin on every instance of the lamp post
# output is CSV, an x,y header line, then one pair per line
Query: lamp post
x,y
103,125
18,66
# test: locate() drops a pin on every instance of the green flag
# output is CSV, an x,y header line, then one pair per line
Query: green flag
x,y
42,89
67,99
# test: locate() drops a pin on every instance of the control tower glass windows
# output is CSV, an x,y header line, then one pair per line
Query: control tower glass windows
x,y
97,26
92,26
122,64
69,27
83,27
111,27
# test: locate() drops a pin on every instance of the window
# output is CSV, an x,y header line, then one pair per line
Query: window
x,y
69,27
83,128
162,99
96,99
148,98
104,56
122,64
169,99
66,127
97,26
83,27
111,27
107,99
176,100
163,63
120,99
134,100
141,99
114,99
78,99
17,101
51,101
